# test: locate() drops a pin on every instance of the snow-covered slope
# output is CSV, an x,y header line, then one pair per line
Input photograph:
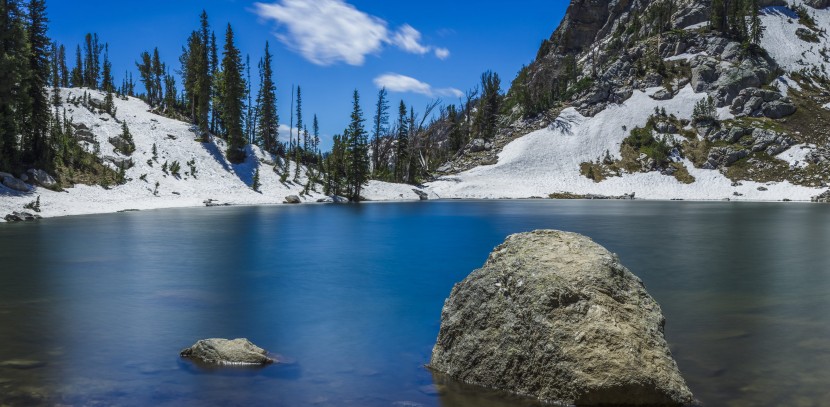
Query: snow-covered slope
x,y
548,161
216,179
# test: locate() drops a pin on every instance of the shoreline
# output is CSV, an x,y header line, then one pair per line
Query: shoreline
x,y
164,203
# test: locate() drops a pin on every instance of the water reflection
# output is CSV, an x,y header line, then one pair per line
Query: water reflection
x,y
351,296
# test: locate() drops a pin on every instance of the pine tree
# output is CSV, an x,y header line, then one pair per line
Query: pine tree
x,y
268,126
255,185
756,27
36,128
249,114
107,81
55,76
78,70
357,151
316,129
232,94
455,134
299,114
489,106
402,144
718,16
204,79
13,68
62,69
92,67
157,76
381,127
214,73
145,72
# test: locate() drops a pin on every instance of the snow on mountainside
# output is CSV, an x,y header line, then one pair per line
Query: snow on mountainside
x,y
548,161
216,179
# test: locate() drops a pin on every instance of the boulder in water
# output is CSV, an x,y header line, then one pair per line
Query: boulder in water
x,y
554,316
227,352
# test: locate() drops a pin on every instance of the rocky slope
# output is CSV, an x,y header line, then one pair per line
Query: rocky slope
x,y
615,91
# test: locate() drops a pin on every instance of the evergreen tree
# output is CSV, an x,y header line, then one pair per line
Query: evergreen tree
x,y
169,92
357,151
214,73
13,68
381,127
92,66
489,105
36,128
55,76
299,115
232,94
402,145
78,70
255,185
268,126
316,129
145,72
157,76
204,79
456,136
756,27
718,15
107,81
62,69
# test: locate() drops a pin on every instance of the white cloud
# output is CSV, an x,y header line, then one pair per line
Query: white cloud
x,y
405,84
442,53
409,39
327,32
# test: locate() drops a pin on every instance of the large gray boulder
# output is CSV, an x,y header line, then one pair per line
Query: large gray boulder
x,y
292,199
13,183
216,351
42,178
555,316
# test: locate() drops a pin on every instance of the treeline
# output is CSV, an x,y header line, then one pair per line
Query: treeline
x,y
216,96
738,19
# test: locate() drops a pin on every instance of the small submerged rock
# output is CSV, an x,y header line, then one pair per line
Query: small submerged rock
x,y
554,316
217,351
22,364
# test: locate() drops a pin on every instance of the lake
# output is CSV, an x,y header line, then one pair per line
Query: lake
x,y
97,308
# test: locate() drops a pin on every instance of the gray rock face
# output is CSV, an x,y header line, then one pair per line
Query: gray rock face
x,y
42,178
478,145
227,352
772,142
724,157
823,198
555,316
756,102
421,194
120,162
13,183
292,199
122,145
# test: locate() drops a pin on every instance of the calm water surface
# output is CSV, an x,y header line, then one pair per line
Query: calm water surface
x,y
350,298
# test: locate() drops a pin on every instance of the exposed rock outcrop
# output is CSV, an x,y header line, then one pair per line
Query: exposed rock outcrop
x,y
227,352
823,198
21,217
292,199
13,183
41,178
555,316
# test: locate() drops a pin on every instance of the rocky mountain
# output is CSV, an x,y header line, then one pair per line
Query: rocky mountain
x,y
668,100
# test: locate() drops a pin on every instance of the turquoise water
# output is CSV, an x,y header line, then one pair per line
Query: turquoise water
x,y
350,298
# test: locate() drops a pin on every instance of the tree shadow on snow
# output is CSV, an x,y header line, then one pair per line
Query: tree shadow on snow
x,y
217,154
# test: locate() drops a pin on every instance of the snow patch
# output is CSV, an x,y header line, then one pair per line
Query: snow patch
x,y
548,161
796,155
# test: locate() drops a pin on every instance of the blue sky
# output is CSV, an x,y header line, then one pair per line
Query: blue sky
x,y
420,50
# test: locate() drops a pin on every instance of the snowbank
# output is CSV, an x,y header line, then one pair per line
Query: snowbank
x,y
547,161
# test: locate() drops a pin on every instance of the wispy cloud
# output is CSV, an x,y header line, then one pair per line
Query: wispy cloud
x,y
406,84
327,32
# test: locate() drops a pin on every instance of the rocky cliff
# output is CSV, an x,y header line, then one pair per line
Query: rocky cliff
x,y
750,100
